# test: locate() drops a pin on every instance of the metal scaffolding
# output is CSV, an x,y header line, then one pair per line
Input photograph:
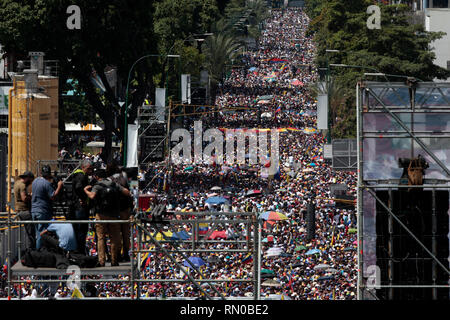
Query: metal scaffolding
x,y
150,237
397,120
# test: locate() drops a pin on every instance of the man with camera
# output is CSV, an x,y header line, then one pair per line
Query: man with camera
x,y
106,194
125,204
80,203
43,194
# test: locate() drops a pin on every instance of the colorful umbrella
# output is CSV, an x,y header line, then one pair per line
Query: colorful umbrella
x,y
297,83
253,193
182,235
325,278
273,216
312,251
218,235
321,267
196,261
216,200
300,248
167,236
189,169
267,271
271,283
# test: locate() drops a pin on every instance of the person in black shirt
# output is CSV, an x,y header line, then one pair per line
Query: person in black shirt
x,y
80,203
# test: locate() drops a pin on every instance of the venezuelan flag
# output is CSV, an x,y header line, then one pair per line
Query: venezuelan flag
x,y
144,258
202,228
248,258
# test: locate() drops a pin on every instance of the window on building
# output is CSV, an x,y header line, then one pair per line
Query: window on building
x,y
440,3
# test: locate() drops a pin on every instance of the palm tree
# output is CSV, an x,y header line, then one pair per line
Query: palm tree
x,y
336,93
219,50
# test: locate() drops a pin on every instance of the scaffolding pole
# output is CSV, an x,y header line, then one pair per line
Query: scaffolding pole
x,y
371,101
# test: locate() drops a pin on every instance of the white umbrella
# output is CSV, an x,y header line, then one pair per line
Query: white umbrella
x,y
216,188
271,283
321,267
274,252
266,115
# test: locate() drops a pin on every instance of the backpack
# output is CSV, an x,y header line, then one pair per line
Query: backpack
x,y
108,199
41,258
82,260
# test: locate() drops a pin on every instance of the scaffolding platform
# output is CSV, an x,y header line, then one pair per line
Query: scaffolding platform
x,y
20,270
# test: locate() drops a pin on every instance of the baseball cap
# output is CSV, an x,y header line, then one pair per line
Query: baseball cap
x,y
27,174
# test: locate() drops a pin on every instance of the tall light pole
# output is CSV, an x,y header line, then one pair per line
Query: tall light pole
x,y
190,37
125,133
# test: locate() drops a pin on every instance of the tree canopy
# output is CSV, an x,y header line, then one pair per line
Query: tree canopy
x,y
113,36
399,47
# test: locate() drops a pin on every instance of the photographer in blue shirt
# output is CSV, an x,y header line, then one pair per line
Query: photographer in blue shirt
x,y
43,194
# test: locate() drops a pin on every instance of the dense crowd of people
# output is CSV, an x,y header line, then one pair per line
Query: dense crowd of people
x,y
272,86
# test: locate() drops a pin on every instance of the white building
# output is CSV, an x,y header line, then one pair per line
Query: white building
x,y
439,20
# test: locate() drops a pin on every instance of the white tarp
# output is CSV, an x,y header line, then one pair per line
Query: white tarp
x,y
132,158
322,112
160,103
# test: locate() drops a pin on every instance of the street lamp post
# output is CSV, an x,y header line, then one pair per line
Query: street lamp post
x,y
188,38
125,133
377,73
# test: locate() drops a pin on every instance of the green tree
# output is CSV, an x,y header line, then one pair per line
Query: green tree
x,y
115,34
219,50
399,47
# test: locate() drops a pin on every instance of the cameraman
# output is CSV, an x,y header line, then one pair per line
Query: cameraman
x,y
80,203
43,194
106,194
125,207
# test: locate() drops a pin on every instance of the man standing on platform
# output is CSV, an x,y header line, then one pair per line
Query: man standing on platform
x,y
80,203
125,207
22,206
106,194
43,194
